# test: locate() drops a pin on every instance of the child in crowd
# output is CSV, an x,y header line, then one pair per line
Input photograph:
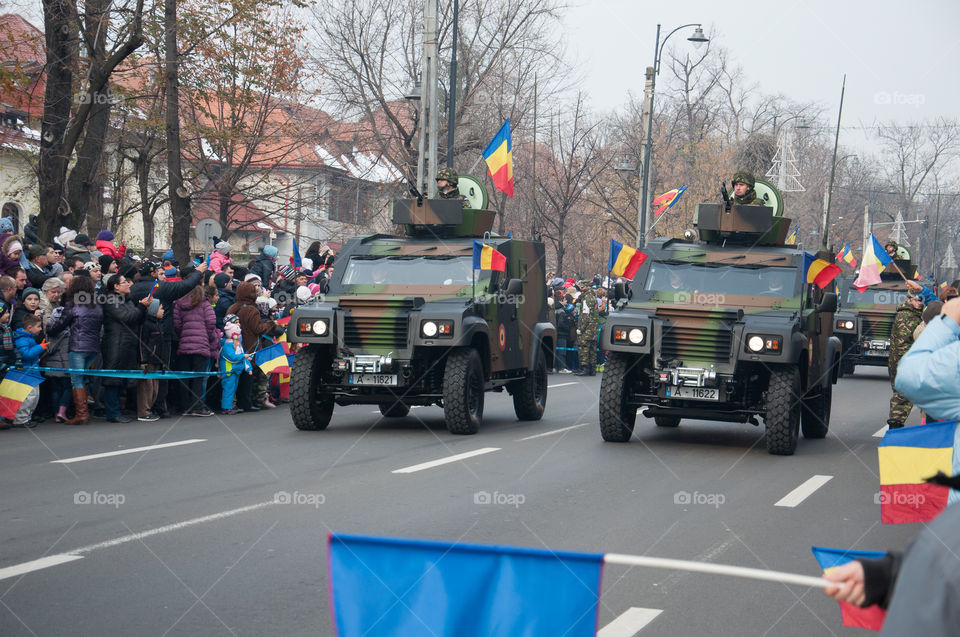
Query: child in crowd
x,y
233,363
30,351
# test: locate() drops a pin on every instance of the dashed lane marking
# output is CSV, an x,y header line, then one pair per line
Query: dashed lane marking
x,y
803,492
561,385
442,461
629,623
126,451
881,432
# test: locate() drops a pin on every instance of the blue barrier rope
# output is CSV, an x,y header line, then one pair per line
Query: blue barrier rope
x,y
120,373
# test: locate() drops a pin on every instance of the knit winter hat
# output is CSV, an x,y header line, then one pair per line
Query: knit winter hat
x,y
170,272
270,251
231,318
66,236
105,260
231,329
82,240
287,272
221,280
14,246
28,291
223,247
251,277
306,264
6,225
303,294
104,235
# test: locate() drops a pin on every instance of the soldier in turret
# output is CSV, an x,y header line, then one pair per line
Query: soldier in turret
x,y
447,180
743,188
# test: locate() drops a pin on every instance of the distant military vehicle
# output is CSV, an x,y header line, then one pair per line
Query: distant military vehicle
x,y
865,318
408,321
726,329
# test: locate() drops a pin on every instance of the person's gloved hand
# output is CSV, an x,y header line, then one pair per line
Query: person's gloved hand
x,y
44,344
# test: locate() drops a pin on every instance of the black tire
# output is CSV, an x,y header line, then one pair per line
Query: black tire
x,y
667,421
394,410
617,416
782,419
310,406
530,394
463,392
815,418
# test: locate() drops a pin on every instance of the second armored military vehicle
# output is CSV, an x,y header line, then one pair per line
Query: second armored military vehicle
x,y
408,321
726,329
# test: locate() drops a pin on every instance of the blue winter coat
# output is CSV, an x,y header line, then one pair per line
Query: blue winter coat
x,y
928,373
84,322
28,347
233,361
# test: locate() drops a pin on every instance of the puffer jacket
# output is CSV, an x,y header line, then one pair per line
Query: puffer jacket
x,y
197,328
84,322
227,298
76,250
218,260
30,350
263,267
121,329
107,248
252,326
57,351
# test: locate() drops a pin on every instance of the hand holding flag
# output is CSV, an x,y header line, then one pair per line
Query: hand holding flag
x,y
875,259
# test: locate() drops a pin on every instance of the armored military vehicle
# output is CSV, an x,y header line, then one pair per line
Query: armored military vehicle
x,y
723,328
865,319
408,321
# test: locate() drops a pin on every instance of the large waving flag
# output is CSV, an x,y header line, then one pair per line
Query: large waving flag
x,y
486,258
668,199
499,157
908,456
14,389
385,587
846,256
272,360
870,617
819,271
623,260
875,259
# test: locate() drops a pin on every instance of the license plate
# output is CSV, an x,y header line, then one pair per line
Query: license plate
x,y
373,379
694,393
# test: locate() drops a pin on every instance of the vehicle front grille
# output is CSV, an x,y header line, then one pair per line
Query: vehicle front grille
x,y
696,335
375,324
876,326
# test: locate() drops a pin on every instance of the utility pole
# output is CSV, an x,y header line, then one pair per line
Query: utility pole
x,y
427,155
533,168
452,112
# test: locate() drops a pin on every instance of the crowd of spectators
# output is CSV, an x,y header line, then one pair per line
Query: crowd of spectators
x,y
580,308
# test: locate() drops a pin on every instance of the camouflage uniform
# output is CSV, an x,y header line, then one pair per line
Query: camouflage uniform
x,y
901,338
749,197
453,179
589,326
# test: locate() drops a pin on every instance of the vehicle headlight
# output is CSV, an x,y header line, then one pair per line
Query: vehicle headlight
x,y
848,325
755,343
631,335
635,336
429,329
320,327
438,329
763,343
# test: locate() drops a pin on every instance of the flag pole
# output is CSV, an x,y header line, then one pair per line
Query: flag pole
x,y
716,569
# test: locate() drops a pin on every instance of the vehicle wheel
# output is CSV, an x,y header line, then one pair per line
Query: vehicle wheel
x,y
782,419
530,394
815,418
310,406
394,410
463,392
617,416
667,421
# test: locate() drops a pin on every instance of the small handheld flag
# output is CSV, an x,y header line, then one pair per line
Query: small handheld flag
x,y
499,157
295,260
668,199
272,360
875,259
820,272
623,260
794,236
870,617
153,290
846,256
486,258
14,389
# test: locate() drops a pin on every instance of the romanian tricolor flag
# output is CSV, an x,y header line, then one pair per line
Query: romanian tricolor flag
x,y
908,456
870,617
499,157
846,256
486,258
819,271
794,236
875,259
14,389
272,360
295,260
667,199
623,260
153,290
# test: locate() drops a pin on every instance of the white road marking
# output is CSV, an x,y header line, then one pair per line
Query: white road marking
x,y
629,623
126,451
881,432
803,492
555,431
411,407
561,385
78,553
44,562
448,460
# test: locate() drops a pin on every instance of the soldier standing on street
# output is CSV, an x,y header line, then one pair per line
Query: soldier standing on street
x,y
447,180
908,317
588,326
743,192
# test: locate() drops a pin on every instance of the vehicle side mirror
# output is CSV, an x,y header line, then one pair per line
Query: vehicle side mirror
x,y
514,287
621,291
828,303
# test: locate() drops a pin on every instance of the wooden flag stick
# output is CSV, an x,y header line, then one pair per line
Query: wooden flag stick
x,y
717,569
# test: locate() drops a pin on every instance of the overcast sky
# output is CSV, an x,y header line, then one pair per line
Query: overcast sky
x,y
901,58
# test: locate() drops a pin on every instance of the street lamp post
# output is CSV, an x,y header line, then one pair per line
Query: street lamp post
x,y
698,38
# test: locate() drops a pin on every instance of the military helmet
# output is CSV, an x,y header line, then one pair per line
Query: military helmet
x,y
449,174
744,176
891,242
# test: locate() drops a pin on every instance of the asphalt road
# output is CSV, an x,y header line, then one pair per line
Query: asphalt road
x,y
227,534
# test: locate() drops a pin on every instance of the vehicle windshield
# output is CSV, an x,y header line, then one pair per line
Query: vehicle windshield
x,y
675,276
872,296
411,270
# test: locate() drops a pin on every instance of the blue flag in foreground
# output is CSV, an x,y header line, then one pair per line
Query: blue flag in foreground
x,y
389,587
870,617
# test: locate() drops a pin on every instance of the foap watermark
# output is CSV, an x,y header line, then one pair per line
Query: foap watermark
x,y
912,500
697,298
97,498
303,499
884,98
497,498
502,298
684,498
100,98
